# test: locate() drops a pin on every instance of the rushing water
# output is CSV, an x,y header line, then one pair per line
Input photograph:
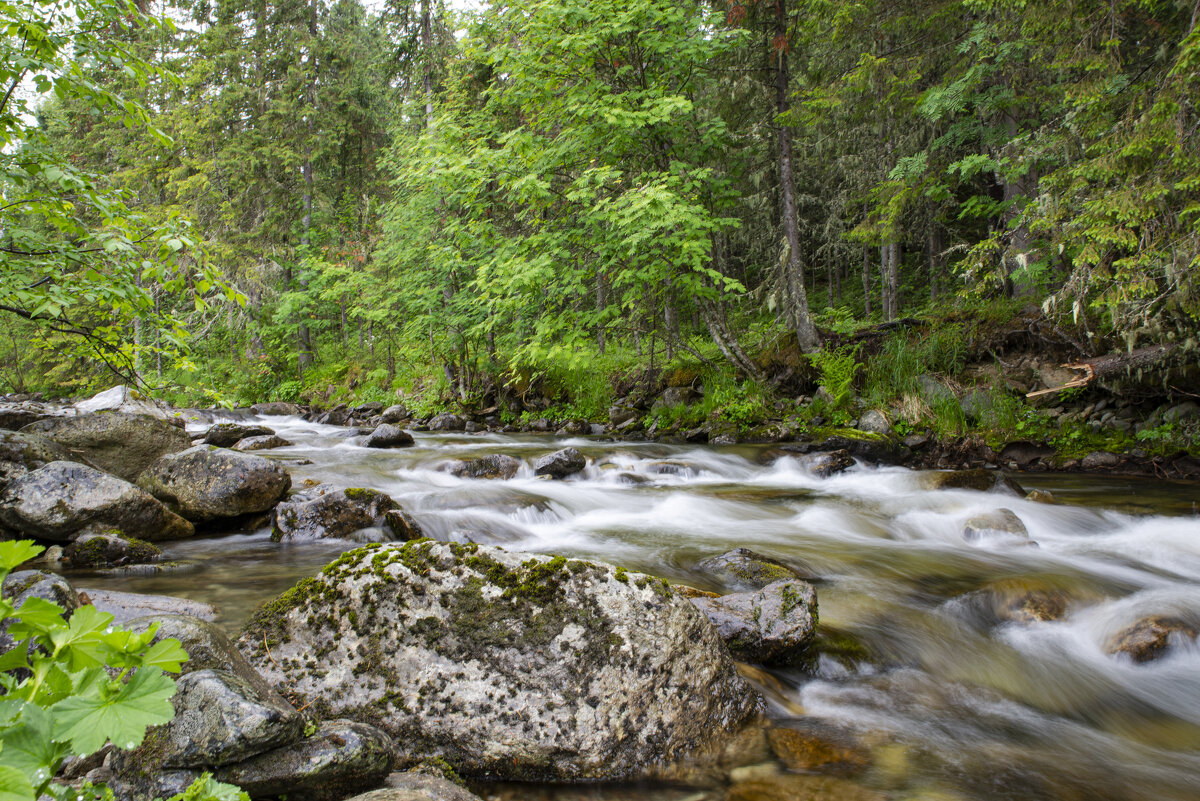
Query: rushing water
x,y
944,702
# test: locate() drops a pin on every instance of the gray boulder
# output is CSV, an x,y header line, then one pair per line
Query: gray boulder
x,y
121,443
341,758
123,399
22,452
261,442
205,483
447,422
220,719
25,584
57,501
933,390
744,569
208,648
342,514
394,414
95,549
224,435
388,436
560,464
772,626
996,527
874,422
513,666
496,465
16,415
126,606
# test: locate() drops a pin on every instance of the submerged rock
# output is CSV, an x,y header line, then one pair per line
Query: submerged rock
x,y
772,626
825,465
496,465
814,747
1020,601
1151,638
560,464
57,501
506,665
976,479
109,549
342,514
340,758
261,443
998,527
224,435
206,483
744,569
121,443
386,435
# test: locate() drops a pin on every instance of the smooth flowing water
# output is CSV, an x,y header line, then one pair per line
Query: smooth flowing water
x,y
947,700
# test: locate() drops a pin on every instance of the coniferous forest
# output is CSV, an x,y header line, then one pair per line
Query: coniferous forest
x,y
536,207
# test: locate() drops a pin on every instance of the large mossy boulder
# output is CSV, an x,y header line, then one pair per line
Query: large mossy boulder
x,y
58,501
505,665
99,548
744,569
205,483
121,443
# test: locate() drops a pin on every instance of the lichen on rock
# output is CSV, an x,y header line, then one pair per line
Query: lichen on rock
x,y
514,666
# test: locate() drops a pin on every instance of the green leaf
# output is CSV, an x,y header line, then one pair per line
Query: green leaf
x,y
14,786
28,747
15,553
123,717
37,616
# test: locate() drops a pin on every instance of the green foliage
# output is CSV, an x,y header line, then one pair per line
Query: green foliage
x,y
904,358
71,687
838,367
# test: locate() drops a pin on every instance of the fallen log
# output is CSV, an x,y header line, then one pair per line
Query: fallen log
x,y
1110,365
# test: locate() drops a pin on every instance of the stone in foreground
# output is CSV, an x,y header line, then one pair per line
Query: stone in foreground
x,y
773,626
386,435
341,758
206,483
508,666
60,499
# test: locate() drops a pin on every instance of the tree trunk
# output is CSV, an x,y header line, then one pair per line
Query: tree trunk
x,y
304,358
866,279
427,60
935,256
806,332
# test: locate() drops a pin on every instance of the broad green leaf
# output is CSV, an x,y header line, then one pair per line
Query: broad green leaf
x,y
122,717
16,552
28,747
14,785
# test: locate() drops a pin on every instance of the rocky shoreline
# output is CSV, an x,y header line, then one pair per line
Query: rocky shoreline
x,y
440,658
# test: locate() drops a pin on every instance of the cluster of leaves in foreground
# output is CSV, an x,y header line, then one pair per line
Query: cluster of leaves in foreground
x,y
70,687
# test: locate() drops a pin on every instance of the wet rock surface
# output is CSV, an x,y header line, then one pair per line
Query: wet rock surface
x,y
22,452
560,464
261,443
828,464
745,569
120,443
108,549
220,718
57,501
208,648
771,626
1001,526
327,513
225,435
417,786
1151,638
340,758
497,465
386,435
506,665
205,483
447,422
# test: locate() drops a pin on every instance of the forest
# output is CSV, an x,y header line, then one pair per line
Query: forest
x,y
529,205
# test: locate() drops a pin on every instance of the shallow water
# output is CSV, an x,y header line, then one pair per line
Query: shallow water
x,y
945,702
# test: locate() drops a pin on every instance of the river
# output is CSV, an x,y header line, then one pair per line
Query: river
x,y
947,701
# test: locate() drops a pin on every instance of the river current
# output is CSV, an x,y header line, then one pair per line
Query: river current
x,y
945,700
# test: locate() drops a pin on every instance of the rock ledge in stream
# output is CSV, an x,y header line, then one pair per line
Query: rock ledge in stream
x,y
506,665
124,444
